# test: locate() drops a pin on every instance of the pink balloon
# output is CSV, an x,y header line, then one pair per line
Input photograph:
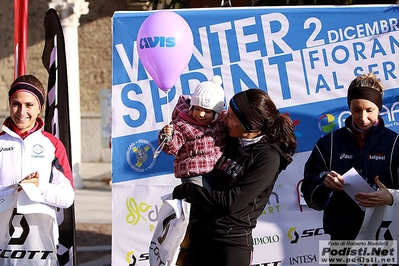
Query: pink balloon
x,y
165,46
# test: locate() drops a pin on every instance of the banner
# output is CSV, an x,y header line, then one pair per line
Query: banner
x,y
57,121
20,36
27,238
303,57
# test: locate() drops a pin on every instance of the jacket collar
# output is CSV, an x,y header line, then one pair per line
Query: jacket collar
x,y
11,125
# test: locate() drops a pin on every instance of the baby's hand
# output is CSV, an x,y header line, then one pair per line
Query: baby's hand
x,y
168,130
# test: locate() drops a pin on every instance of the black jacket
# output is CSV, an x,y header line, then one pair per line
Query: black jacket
x,y
340,151
242,182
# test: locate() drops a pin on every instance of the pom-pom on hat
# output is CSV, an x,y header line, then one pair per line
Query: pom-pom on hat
x,y
209,95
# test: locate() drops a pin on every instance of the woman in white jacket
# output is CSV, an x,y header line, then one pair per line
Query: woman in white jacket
x,y
35,180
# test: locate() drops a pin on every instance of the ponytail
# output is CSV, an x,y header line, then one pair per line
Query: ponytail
x,y
285,136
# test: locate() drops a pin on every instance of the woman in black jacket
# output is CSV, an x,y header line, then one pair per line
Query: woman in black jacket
x,y
364,144
261,145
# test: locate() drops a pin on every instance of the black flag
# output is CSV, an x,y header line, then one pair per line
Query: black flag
x,y
57,121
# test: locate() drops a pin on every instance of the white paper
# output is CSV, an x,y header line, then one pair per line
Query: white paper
x,y
8,197
354,183
33,192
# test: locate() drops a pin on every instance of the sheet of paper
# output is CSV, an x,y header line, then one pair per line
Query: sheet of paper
x,y
8,197
32,192
354,183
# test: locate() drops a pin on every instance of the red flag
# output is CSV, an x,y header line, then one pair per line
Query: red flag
x,y
20,36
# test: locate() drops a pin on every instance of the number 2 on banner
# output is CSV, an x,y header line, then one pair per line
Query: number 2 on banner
x,y
311,42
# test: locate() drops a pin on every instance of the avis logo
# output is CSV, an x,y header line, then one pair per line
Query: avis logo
x,y
161,41
294,236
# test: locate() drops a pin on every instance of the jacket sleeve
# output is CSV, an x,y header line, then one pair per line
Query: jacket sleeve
x,y
316,194
175,143
395,195
258,178
59,192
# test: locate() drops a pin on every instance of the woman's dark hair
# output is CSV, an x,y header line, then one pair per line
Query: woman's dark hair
x,y
31,80
277,128
35,82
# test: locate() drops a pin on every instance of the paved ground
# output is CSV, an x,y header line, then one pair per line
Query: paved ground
x,y
93,216
93,244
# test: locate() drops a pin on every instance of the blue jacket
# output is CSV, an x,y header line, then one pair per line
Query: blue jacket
x,y
340,151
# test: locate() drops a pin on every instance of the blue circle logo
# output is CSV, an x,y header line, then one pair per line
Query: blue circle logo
x,y
327,123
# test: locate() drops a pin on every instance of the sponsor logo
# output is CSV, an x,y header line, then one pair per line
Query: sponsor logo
x,y
2,149
377,157
326,123
132,260
295,237
273,205
303,259
295,122
157,41
23,224
264,240
229,166
139,155
20,254
19,231
37,150
324,173
270,263
346,156
140,211
155,249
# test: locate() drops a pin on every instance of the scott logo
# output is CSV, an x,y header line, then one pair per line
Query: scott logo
x,y
132,260
18,222
294,236
20,240
152,42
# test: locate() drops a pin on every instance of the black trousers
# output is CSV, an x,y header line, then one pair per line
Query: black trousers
x,y
211,253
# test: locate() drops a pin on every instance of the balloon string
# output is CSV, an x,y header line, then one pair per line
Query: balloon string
x,y
167,101
160,147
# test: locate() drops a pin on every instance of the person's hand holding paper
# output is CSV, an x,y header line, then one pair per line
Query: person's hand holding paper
x,y
361,192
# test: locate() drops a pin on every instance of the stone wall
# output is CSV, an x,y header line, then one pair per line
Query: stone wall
x,y
94,57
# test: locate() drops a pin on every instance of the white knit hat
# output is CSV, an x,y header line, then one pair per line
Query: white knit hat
x,y
209,95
